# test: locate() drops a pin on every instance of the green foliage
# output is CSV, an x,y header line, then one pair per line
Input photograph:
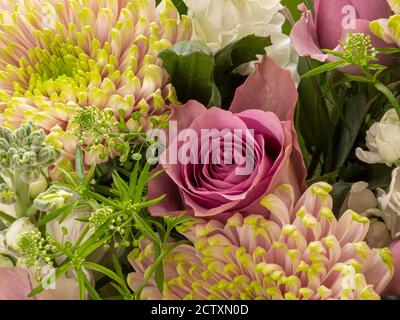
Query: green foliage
x,y
197,74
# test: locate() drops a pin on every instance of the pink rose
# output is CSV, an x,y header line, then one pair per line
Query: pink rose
x,y
264,103
333,20
15,284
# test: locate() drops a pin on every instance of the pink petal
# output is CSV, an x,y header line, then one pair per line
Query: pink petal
x,y
305,38
15,284
268,88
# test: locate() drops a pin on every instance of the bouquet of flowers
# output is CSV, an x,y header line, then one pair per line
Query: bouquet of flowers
x,y
199,149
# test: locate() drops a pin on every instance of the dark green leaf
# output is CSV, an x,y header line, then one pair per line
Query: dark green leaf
x,y
112,275
6,217
355,111
339,193
378,175
324,68
190,65
240,52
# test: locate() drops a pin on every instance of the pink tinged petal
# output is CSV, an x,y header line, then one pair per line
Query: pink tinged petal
x,y
292,169
304,36
160,185
185,115
394,286
268,88
372,9
351,227
329,22
15,284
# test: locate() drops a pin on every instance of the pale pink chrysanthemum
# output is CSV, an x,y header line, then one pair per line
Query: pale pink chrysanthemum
x,y
301,252
57,56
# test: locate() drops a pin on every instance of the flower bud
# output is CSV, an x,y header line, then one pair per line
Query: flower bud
x,y
38,186
359,198
7,195
52,199
17,228
378,235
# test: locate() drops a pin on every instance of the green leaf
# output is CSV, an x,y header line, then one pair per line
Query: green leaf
x,y
378,176
81,283
58,273
133,179
231,57
240,52
112,275
92,291
312,116
143,178
121,186
66,210
389,95
339,193
79,166
324,68
159,275
190,65
355,110
388,50
6,217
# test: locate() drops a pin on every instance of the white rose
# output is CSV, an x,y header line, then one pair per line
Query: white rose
x,y
389,203
383,141
219,23
18,227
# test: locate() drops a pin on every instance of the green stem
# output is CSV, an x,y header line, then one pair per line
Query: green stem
x,y
22,193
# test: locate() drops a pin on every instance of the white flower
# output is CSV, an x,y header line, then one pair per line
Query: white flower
x,y
65,288
74,229
359,199
389,203
222,22
363,201
383,141
18,227
378,235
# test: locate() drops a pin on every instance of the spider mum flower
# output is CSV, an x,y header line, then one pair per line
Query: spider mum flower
x,y
300,252
57,56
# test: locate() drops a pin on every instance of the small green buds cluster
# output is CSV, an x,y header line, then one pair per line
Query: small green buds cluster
x,y
100,216
25,151
7,195
34,248
52,199
96,129
116,227
358,49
